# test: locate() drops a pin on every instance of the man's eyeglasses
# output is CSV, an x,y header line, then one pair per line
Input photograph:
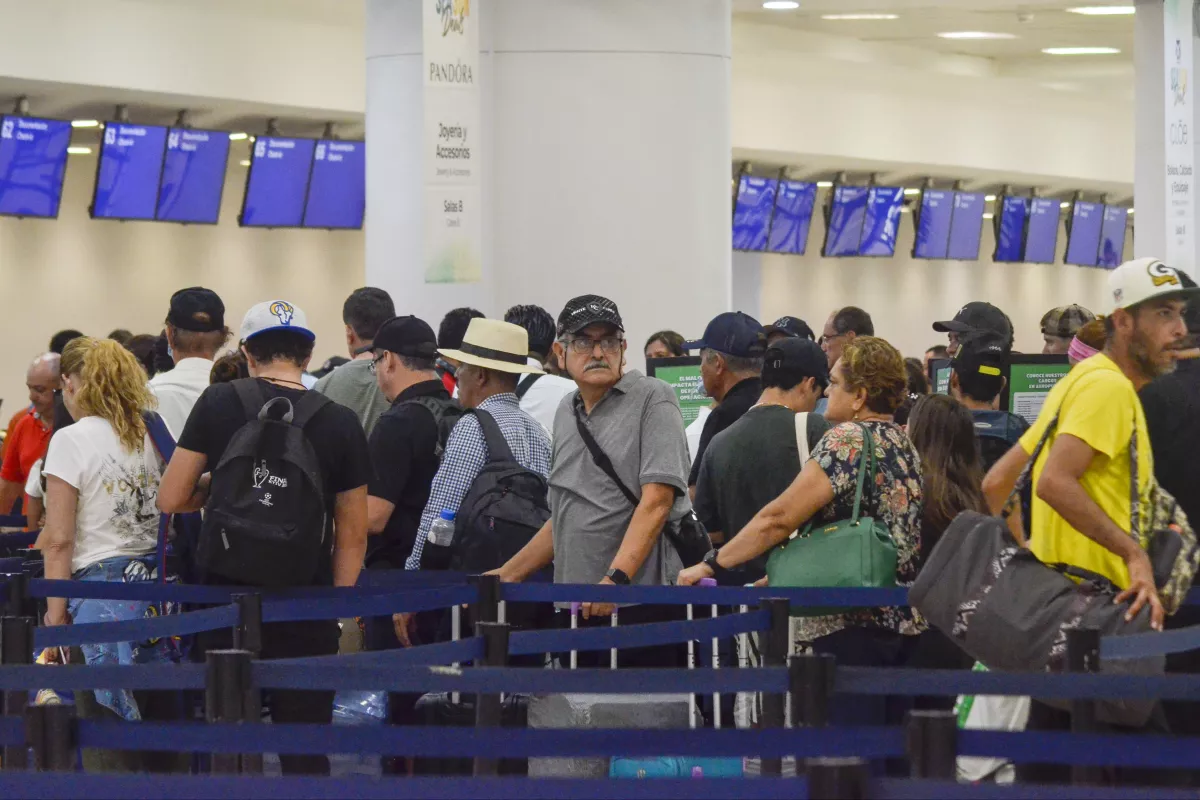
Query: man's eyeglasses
x,y
827,338
583,345
375,362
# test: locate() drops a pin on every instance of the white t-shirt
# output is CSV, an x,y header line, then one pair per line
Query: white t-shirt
x,y
544,397
695,430
179,389
33,486
116,514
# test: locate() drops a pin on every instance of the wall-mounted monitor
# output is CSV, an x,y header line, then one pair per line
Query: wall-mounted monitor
x,y
1011,214
752,212
881,223
33,163
933,223
1029,378
1083,233
794,204
337,189
128,171
277,186
966,229
193,176
1112,237
847,209
1041,234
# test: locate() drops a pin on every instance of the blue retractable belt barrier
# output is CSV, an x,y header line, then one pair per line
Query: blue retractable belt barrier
x,y
896,789
137,630
1084,749
25,539
645,635
141,676
13,521
12,731
1063,686
143,591
700,595
426,655
1151,643
370,606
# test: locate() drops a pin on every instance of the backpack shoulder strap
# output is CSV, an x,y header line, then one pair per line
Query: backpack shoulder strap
x,y
601,458
160,436
251,395
498,449
527,383
304,409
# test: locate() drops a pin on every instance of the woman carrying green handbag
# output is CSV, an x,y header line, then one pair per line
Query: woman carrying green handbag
x,y
876,523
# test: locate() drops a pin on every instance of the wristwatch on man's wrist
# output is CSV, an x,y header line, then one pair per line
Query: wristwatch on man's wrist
x,y
618,577
710,558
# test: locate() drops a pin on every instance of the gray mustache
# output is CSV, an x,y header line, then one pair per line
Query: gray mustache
x,y
596,365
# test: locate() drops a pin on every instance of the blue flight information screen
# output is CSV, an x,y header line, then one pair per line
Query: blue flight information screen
x,y
33,163
933,224
337,190
1112,237
278,182
882,221
967,227
793,215
131,160
193,176
846,214
1010,230
752,212
1083,245
1041,238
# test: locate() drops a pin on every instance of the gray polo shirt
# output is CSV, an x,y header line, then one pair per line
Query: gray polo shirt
x,y
353,385
639,425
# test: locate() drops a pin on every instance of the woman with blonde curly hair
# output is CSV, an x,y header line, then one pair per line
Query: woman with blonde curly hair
x,y
867,384
102,476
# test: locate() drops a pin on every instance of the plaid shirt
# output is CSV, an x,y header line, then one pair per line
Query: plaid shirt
x,y
466,453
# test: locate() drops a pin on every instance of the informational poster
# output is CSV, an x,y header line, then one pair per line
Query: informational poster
x,y
453,136
682,375
1180,183
939,373
1028,385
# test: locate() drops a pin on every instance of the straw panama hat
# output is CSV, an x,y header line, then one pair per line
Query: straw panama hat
x,y
492,344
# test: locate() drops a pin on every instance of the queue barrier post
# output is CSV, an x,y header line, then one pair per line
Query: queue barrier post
x,y
248,633
488,707
50,733
16,596
1083,655
228,693
16,647
810,684
838,779
774,654
486,607
932,744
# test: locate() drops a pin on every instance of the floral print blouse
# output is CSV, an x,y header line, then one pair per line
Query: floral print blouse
x,y
895,500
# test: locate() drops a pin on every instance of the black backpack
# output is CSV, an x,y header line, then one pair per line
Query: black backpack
x,y
265,520
446,414
505,506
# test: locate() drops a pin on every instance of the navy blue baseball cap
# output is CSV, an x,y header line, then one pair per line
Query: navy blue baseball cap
x,y
735,334
791,327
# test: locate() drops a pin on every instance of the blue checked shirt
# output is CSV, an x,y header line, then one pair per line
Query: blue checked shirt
x,y
466,453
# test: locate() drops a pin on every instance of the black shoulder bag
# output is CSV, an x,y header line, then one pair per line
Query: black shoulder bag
x,y
687,535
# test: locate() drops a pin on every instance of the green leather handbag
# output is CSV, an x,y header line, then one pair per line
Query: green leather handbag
x,y
849,553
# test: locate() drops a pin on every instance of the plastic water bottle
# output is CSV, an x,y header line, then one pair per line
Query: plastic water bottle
x,y
438,545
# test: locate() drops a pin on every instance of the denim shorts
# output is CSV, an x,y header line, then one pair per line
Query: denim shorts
x,y
119,569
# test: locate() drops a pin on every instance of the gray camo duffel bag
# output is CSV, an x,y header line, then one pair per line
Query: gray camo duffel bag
x,y
1010,611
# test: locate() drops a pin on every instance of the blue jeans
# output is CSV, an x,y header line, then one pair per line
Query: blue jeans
x,y
119,569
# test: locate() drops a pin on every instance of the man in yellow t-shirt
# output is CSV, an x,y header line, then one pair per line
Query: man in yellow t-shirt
x,y
1083,488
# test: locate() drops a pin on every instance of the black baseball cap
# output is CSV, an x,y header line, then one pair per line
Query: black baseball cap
x,y
733,333
982,353
977,317
589,309
196,309
789,361
790,327
406,336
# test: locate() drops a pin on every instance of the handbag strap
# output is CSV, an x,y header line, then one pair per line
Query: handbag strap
x,y
164,443
866,463
601,458
1026,476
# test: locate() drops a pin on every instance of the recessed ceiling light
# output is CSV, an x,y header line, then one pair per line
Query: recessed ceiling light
x,y
243,163
1103,11
858,17
912,191
79,151
976,35
781,5
85,123
825,184
1064,204
1080,51
1131,211
991,198
237,137
989,215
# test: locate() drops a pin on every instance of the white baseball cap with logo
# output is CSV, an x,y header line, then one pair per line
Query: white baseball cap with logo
x,y
1145,279
275,315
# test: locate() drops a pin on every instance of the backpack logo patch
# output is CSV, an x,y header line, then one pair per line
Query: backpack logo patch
x,y
262,475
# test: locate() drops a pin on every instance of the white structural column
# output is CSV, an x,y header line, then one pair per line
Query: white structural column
x,y
1165,134
606,150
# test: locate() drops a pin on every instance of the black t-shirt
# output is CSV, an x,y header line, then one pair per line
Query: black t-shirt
x,y
404,454
1172,406
738,400
335,434
746,467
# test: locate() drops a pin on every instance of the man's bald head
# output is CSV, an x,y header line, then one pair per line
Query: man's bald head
x,y
43,379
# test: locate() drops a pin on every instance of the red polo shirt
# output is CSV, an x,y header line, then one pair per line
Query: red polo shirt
x,y
23,447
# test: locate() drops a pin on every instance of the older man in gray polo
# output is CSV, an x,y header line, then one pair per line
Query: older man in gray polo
x,y
596,534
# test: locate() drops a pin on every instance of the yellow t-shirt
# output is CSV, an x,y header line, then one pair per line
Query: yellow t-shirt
x,y
1098,405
